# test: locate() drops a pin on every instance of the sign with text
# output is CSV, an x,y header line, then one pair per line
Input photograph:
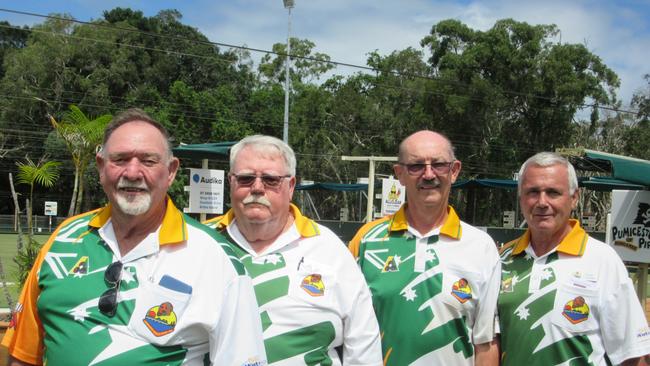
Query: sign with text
x,y
630,227
50,208
392,196
509,219
206,191
588,222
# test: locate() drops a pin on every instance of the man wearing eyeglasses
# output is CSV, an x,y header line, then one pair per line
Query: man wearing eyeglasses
x,y
434,279
136,282
312,297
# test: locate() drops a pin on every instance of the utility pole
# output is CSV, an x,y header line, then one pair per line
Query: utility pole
x,y
371,177
288,4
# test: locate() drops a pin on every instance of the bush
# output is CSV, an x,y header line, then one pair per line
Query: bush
x,y
25,259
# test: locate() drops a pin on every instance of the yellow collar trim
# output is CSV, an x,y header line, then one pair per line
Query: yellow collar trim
x,y
451,227
573,243
173,229
306,226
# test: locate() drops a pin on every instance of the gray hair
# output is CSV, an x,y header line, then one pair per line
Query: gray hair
x,y
545,159
268,146
132,115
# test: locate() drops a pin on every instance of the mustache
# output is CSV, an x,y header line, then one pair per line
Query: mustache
x,y
125,183
429,183
257,199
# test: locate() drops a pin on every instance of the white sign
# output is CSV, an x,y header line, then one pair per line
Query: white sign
x,y
508,219
344,214
588,222
50,208
206,191
392,196
629,231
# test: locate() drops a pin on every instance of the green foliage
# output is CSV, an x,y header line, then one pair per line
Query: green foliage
x,y
501,95
307,65
637,137
82,137
25,258
44,173
511,90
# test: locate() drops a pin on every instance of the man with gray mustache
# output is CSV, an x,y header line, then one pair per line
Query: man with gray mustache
x,y
315,306
434,278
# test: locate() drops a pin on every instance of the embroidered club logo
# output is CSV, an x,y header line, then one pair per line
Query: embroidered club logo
x,y
313,285
161,319
461,290
506,285
391,264
576,310
81,267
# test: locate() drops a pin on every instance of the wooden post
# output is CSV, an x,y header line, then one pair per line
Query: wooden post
x,y
204,165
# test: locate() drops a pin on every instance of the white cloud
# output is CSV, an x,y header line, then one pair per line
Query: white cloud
x,y
618,32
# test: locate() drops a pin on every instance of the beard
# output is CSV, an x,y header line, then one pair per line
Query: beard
x,y
133,204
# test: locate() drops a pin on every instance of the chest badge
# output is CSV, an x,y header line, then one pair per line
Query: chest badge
x,y
161,319
461,290
313,285
507,285
391,264
576,310
81,267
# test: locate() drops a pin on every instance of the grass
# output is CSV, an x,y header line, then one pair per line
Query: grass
x,y
7,254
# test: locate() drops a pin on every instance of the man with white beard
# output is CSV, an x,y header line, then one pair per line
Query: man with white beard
x,y
137,281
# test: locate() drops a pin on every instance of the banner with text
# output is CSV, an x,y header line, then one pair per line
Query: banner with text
x,y
392,196
206,191
630,227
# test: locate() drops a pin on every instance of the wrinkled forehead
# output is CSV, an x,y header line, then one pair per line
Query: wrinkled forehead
x,y
136,136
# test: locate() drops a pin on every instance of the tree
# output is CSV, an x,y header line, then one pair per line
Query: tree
x,y
637,137
11,38
307,65
44,173
82,136
511,90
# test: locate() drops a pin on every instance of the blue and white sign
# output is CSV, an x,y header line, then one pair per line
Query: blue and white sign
x,y
206,191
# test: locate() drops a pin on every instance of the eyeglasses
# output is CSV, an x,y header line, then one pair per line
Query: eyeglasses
x,y
269,181
438,167
108,300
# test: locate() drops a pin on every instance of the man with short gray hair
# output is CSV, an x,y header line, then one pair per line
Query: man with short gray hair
x,y
565,297
313,298
136,282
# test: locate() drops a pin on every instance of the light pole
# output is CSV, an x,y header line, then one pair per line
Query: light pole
x,y
288,4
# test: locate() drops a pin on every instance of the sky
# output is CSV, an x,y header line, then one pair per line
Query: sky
x,y
617,31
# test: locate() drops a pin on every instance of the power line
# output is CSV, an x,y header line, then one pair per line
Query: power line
x,y
309,58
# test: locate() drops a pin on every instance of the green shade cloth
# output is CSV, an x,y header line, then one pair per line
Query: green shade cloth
x,y
632,170
211,150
